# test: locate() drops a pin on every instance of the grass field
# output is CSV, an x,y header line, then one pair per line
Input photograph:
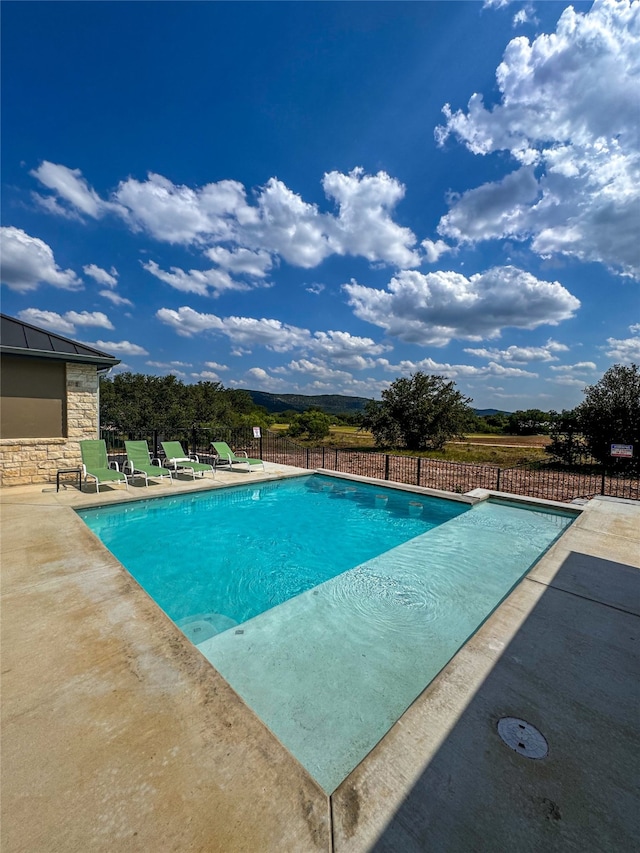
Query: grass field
x,y
500,450
509,440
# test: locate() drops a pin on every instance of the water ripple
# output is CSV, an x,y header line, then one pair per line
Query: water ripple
x,y
392,603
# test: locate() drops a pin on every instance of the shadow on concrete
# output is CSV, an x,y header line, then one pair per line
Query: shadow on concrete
x,y
571,670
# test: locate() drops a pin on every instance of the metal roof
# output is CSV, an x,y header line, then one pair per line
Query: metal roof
x,y
19,338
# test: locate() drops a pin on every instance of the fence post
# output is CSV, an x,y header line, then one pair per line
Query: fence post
x,y
418,474
386,466
260,452
323,465
336,465
194,448
307,458
603,486
155,444
498,483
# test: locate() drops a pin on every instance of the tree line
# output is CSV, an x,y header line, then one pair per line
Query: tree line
x,y
424,412
136,402
420,412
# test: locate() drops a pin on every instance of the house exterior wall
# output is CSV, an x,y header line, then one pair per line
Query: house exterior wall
x,y
36,460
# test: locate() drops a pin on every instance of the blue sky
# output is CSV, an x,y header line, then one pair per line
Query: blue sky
x,y
318,198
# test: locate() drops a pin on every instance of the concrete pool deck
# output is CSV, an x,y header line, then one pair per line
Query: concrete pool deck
x,y
117,733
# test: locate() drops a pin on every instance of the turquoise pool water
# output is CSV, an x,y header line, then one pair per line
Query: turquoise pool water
x,y
332,637
228,555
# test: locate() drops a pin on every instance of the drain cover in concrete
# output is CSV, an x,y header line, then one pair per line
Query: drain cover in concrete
x,y
522,737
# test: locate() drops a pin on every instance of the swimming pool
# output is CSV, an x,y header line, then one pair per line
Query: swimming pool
x,y
226,556
367,593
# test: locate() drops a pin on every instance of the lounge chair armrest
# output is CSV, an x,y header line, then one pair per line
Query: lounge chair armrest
x,y
127,468
242,453
114,465
156,461
176,461
194,457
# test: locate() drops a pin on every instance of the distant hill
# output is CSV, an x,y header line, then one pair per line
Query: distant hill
x,y
332,404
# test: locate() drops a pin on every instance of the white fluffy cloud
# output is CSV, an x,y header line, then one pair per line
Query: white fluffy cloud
x,y
121,348
455,371
625,350
89,318
210,282
434,308
115,298
241,261
578,368
314,376
525,15
346,349
340,348
497,209
109,279
28,261
572,375
178,214
243,331
48,320
72,189
521,355
280,224
568,380
434,250
206,376
65,323
169,365
568,115
288,226
315,287
364,226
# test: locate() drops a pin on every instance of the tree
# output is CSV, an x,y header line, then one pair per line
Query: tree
x,y
529,422
567,441
610,412
419,413
314,423
135,402
493,424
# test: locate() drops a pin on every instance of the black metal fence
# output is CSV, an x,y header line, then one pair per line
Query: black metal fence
x,y
546,479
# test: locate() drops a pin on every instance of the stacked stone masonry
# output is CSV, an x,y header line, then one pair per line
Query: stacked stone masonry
x,y
36,460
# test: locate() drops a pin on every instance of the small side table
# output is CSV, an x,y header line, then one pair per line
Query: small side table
x,y
77,471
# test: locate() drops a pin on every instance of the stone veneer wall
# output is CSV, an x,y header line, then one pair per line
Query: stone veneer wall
x,y
36,460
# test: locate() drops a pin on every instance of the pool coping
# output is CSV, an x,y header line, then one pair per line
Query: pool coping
x,y
257,807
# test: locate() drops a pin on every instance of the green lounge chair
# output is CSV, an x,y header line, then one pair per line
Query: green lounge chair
x,y
226,455
95,464
139,463
179,461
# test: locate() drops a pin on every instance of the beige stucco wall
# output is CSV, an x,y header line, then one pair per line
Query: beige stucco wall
x,y
36,460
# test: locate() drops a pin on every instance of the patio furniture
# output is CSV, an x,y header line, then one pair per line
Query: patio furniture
x,y
226,455
77,470
177,459
96,464
140,464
